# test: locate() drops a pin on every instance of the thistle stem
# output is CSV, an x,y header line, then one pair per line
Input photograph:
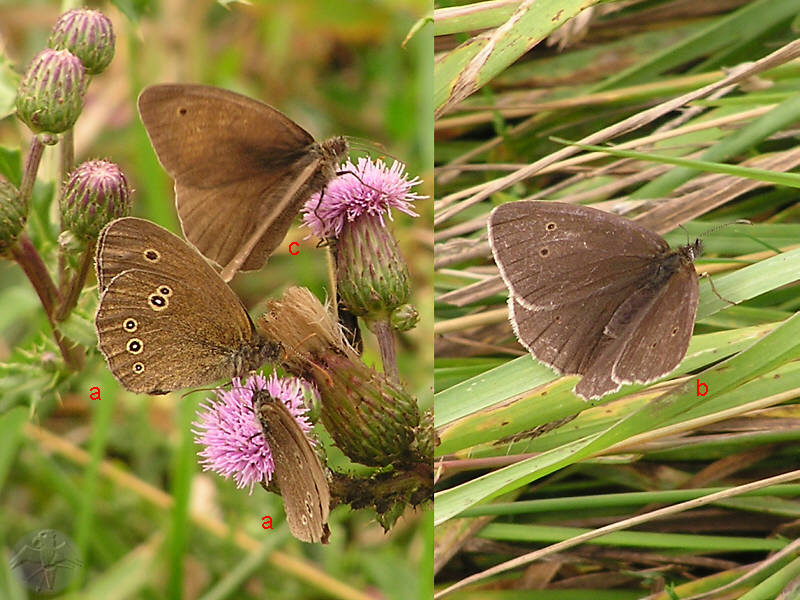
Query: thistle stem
x,y
67,154
69,300
67,147
31,169
385,336
25,254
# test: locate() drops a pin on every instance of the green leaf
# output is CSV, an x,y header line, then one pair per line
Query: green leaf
x,y
11,164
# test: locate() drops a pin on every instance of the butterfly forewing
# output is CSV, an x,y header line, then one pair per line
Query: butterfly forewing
x,y
166,320
206,136
298,472
232,159
132,243
550,253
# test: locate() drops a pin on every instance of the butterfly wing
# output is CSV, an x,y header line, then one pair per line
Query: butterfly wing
x,y
166,320
571,340
659,342
550,253
591,292
133,243
232,159
206,136
298,472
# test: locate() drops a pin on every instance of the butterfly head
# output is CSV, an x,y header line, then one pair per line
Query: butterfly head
x,y
691,251
334,150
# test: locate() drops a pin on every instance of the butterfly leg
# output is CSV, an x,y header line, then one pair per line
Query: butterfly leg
x,y
714,289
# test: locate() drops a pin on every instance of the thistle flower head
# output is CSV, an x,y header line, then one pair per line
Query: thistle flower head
x,y
88,34
229,430
96,193
371,419
365,188
50,96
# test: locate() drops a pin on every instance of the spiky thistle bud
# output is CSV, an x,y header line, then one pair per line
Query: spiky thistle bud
x,y
372,277
426,435
404,317
370,418
88,34
13,213
50,96
95,193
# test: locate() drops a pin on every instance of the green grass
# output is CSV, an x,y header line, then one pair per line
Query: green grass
x,y
120,476
512,433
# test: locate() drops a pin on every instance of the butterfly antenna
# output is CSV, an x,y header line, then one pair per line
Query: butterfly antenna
x,y
723,225
686,231
369,147
322,370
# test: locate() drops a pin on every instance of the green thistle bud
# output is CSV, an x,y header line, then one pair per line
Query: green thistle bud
x,y
426,436
404,318
50,97
371,275
370,418
95,194
88,35
13,213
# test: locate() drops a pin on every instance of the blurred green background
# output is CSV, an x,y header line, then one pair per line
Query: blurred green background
x,y
336,68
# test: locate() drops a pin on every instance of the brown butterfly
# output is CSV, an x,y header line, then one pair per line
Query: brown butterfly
x,y
166,320
242,169
593,293
298,472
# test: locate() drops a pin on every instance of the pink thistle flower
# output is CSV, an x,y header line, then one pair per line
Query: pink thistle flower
x,y
229,430
374,190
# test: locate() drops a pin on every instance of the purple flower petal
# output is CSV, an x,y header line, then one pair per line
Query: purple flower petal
x,y
234,444
366,188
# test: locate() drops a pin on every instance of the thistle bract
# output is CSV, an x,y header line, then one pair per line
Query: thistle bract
x,y
372,277
50,96
95,194
13,213
88,34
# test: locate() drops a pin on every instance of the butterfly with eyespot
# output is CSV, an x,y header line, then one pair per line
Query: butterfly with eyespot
x,y
235,161
298,471
166,320
594,293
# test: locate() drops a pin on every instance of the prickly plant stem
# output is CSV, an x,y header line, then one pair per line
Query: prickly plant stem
x,y
385,336
70,299
67,148
31,169
331,263
67,153
25,254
